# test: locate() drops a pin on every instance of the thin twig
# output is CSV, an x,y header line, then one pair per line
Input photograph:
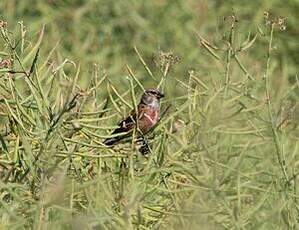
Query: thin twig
x,y
269,108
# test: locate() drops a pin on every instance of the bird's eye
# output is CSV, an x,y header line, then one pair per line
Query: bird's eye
x,y
150,92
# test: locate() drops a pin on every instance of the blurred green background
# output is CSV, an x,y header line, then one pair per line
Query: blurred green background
x,y
105,32
216,148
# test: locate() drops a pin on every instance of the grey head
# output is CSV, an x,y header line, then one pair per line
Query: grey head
x,y
151,97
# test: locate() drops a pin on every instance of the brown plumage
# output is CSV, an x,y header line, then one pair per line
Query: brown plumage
x,y
146,117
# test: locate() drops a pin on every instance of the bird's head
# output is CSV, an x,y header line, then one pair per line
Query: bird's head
x,y
151,97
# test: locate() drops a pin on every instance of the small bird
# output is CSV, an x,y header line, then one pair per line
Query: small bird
x,y
147,115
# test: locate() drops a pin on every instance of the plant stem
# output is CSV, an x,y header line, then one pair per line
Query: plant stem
x,y
269,108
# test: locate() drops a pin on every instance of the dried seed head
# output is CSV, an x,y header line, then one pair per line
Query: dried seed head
x,y
278,22
3,24
266,14
163,59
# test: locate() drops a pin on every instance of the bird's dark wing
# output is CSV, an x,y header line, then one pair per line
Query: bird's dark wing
x,y
128,123
125,125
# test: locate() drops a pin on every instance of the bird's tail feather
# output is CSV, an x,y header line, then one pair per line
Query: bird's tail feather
x,y
121,135
111,141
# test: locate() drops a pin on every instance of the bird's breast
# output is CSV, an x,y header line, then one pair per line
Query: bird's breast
x,y
149,119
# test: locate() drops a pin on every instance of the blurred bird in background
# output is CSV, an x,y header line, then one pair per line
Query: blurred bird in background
x,y
146,116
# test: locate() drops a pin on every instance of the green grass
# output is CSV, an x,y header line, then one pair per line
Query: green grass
x,y
223,156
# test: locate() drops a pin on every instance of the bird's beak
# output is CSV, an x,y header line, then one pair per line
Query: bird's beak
x,y
161,95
